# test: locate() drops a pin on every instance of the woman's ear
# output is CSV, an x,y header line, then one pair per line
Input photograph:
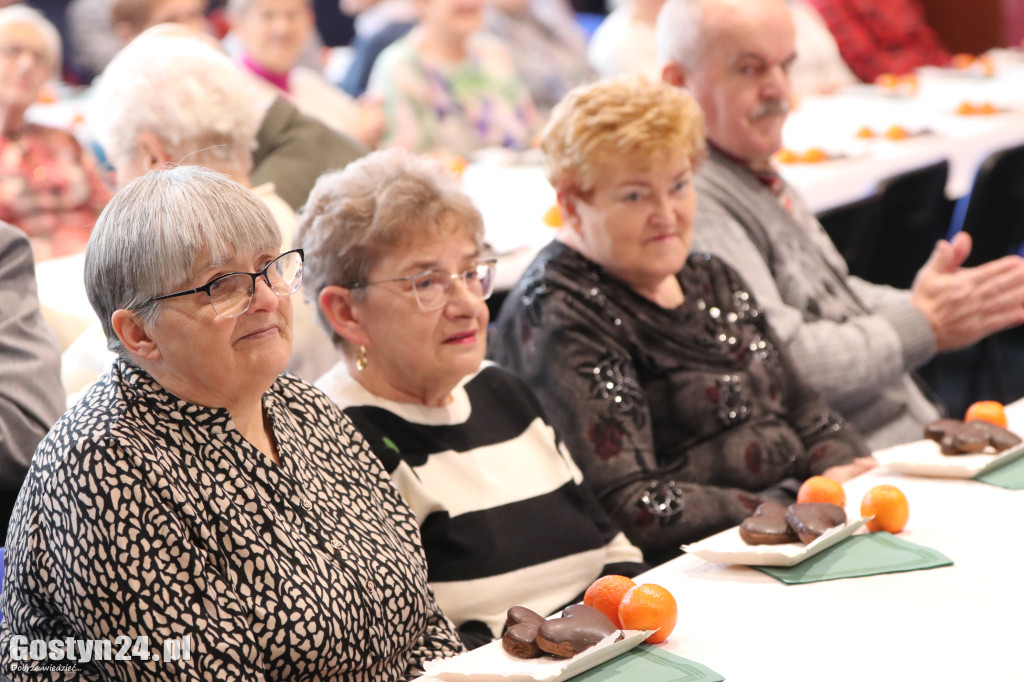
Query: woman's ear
x,y
344,314
568,202
133,334
674,74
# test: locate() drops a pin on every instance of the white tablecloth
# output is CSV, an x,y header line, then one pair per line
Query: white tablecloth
x,y
949,624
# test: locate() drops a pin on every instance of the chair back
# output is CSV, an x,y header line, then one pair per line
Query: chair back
x,y
914,214
854,229
995,209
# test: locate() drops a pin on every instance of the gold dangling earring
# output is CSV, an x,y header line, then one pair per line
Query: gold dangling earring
x,y
362,359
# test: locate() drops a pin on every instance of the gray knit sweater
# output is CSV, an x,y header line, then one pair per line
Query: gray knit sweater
x,y
854,341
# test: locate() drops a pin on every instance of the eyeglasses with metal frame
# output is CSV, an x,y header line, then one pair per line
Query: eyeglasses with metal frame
x,y
231,294
433,288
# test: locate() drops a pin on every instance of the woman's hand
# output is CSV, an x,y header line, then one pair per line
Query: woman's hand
x,y
844,472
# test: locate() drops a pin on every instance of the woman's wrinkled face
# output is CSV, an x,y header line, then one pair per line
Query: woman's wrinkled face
x,y
216,361
415,353
637,222
25,65
274,32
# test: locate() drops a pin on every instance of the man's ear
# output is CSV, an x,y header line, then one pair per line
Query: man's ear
x,y
152,151
134,335
344,314
674,74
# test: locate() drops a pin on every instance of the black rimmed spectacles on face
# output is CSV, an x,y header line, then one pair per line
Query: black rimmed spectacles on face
x,y
231,294
433,289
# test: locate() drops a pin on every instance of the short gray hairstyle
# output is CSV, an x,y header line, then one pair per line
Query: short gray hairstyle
x,y
680,32
384,201
163,228
22,14
191,96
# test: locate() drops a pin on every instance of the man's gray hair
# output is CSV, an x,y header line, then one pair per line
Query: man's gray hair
x,y
192,97
22,14
163,228
679,34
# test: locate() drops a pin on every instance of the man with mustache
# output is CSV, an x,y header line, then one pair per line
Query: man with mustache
x,y
854,341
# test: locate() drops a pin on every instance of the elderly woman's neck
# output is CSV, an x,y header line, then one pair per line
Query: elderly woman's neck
x,y
665,292
398,391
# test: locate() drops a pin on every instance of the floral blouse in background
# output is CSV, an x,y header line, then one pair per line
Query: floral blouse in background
x,y
143,514
682,420
453,108
51,189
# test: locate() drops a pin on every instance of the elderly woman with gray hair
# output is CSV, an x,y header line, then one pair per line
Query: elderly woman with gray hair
x,y
395,259
198,496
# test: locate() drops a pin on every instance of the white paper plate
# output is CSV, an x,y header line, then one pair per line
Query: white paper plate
x,y
924,458
728,547
491,663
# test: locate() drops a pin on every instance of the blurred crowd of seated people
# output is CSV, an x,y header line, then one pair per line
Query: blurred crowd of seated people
x,y
446,77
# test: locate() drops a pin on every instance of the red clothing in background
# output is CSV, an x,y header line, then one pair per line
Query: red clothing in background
x,y
882,36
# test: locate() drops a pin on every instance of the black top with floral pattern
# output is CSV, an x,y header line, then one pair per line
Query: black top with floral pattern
x,y
683,420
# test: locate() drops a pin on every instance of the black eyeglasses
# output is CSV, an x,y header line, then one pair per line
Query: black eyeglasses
x,y
433,288
231,294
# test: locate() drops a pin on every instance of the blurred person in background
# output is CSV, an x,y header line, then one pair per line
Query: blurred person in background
x,y
31,396
449,88
293,149
882,36
50,187
818,67
132,17
625,42
98,29
272,35
378,23
550,47
170,98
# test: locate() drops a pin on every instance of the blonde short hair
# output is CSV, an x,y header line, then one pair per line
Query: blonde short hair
x,y
385,201
629,118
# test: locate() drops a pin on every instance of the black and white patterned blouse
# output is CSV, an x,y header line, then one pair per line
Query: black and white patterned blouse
x,y
146,515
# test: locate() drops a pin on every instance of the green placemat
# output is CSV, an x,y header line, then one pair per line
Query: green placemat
x,y
1010,475
858,556
648,663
